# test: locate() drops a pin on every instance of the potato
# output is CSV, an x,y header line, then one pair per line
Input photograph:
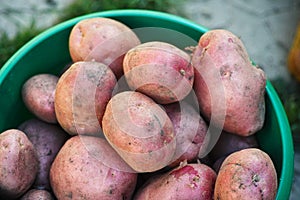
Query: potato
x,y
206,160
144,177
35,194
81,96
190,181
246,174
227,85
159,70
65,68
190,130
139,130
19,164
38,96
229,143
103,40
87,167
217,164
47,139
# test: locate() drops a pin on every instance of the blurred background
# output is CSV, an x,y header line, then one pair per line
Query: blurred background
x,y
268,29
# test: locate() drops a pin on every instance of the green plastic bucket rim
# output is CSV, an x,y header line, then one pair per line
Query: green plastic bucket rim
x,y
287,153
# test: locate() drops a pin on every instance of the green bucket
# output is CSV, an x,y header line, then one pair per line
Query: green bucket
x,y
48,53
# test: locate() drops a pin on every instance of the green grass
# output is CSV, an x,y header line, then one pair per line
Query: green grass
x,y
289,93
10,45
80,7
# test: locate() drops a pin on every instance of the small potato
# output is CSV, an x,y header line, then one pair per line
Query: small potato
x,y
47,139
187,182
139,130
190,130
206,160
38,96
19,164
229,143
230,90
159,70
81,96
87,167
103,40
144,177
218,163
65,68
35,194
246,174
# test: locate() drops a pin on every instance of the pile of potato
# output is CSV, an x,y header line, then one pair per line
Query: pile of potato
x,y
131,120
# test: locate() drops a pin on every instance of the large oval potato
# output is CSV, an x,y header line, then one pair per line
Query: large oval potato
x,y
86,167
139,130
38,96
159,70
246,174
19,164
47,139
227,85
189,181
103,40
81,96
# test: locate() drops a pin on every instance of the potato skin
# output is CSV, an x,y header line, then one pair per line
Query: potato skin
x,y
159,70
35,194
86,167
246,174
191,181
103,40
220,53
229,143
218,163
139,130
190,130
38,95
47,139
81,96
19,164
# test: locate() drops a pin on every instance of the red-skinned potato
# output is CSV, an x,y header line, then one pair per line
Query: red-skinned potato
x,y
159,70
190,130
217,164
81,96
229,143
139,130
189,181
246,174
35,194
87,167
103,40
38,96
47,139
19,164
238,88
144,177
65,68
